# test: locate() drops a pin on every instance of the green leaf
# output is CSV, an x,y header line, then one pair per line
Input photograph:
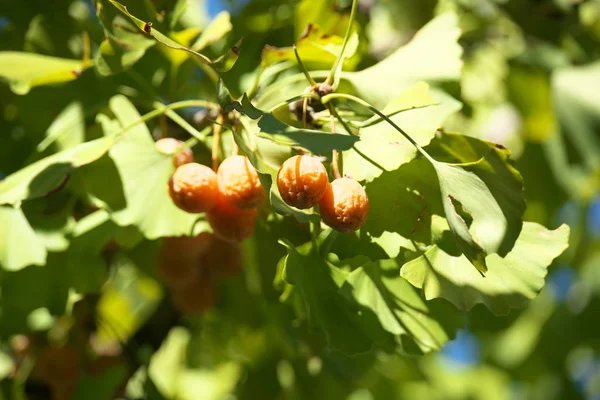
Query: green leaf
x,y
433,55
402,203
383,148
45,175
400,309
19,245
318,284
215,31
28,70
124,45
52,220
510,282
132,183
483,200
86,265
101,386
317,142
576,104
67,130
114,57
223,63
317,49
32,288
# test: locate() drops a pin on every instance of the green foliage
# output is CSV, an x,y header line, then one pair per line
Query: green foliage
x,y
472,129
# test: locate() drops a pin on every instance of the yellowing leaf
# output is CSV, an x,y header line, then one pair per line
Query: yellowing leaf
x,y
27,70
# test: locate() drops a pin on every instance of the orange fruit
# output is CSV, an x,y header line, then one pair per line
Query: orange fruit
x,y
169,145
193,188
239,183
344,205
196,298
222,259
301,181
231,223
178,259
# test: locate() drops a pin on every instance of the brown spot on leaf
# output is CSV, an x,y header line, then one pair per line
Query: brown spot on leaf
x,y
499,146
76,72
60,186
235,50
148,27
306,32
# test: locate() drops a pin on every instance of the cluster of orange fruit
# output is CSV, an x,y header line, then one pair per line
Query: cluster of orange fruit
x,y
303,183
62,368
189,266
230,196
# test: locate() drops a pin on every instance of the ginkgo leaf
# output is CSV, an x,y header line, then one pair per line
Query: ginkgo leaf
x,y
483,198
329,311
510,281
382,148
223,63
399,308
45,175
131,196
316,48
28,70
19,245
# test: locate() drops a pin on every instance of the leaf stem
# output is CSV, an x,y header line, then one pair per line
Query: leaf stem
x,y
327,98
331,77
303,68
164,109
216,141
293,99
335,160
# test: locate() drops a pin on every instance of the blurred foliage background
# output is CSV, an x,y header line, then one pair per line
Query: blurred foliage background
x,y
530,81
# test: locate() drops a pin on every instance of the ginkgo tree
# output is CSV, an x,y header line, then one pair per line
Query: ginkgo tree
x,y
317,211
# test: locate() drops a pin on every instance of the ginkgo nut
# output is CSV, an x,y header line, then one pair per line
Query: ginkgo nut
x,y
169,145
344,205
301,181
193,188
239,183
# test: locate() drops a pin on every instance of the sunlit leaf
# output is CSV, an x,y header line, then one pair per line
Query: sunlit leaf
x,y
400,309
316,48
433,55
383,148
135,198
67,130
483,198
27,70
216,30
576,99
329,311
509,282
223,63
45,175
19,245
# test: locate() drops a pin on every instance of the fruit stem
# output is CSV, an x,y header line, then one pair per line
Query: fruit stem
x,y
218,125
162,110
303,68
327,98
334,70
182,122
333,111
293,99
304,108
335,159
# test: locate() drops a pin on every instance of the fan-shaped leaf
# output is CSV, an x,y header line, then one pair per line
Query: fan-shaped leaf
x,y
509,282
